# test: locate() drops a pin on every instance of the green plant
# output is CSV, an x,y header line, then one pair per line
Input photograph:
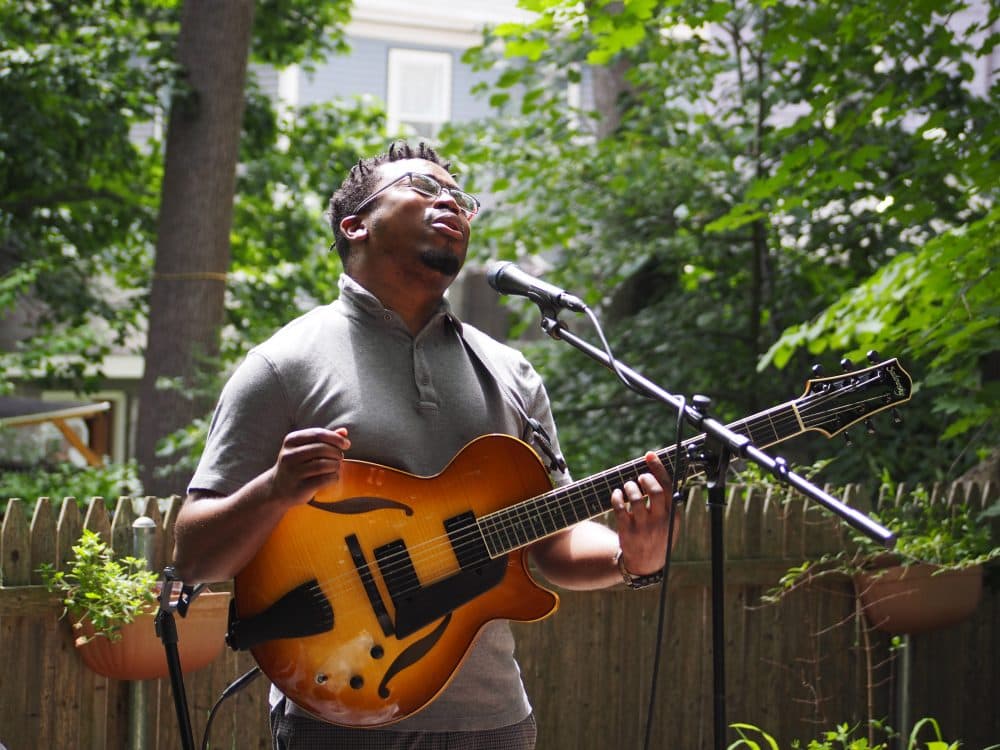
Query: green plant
x,y
67,480
843,738
952,536
97,586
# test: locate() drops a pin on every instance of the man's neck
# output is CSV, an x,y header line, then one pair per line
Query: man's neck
x,y
414,303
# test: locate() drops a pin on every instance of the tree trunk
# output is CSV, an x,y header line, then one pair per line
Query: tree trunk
x,y
196,212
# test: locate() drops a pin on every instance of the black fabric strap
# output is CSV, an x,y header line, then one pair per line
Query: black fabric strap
x,y
538,435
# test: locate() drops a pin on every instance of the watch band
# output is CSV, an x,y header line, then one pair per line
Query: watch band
x,y
633,581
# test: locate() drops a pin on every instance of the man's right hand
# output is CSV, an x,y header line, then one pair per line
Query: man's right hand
x,y
308,460
216,536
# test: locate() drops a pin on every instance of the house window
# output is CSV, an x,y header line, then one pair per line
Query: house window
x,y
419,95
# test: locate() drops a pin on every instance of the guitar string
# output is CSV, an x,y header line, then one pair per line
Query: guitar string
x,y
559,495
564,498
423,552
433,547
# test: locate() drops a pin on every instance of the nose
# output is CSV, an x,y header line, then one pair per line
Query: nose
x,y
445,198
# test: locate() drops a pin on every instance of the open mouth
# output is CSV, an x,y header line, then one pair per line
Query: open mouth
x,y
449,226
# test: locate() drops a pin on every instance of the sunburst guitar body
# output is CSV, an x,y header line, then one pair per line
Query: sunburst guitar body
x,y
378,558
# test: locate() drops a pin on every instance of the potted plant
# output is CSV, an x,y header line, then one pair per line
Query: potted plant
x,y
111,603
933,576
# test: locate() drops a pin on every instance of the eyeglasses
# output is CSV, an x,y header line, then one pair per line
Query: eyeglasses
x,y
429,186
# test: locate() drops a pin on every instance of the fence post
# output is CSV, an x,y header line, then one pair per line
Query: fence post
x,y
143,531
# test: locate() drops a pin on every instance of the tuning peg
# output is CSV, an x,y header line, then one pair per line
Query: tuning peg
x,y
869,427
846,364
873,356
897,418
817,370
701,403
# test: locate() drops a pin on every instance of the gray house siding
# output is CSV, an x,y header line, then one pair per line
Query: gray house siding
x,y
364,70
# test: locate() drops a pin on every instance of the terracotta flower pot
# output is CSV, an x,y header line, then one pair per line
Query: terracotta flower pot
x,y
917,598
139,653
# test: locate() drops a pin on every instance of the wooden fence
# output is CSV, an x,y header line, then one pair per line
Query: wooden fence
x,y
795,669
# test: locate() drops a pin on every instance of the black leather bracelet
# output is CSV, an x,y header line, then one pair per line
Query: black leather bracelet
x,y
634,581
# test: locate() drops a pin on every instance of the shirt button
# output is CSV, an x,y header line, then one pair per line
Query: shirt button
x,y
387,316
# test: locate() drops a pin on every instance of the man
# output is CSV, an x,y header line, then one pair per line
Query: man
x,y
387,374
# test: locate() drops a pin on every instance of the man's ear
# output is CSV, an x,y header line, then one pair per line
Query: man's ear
x,y
354,228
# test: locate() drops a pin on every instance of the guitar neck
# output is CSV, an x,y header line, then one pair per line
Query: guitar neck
x,y
523,523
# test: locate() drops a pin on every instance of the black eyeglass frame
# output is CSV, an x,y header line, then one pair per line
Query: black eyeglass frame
x,y
460,196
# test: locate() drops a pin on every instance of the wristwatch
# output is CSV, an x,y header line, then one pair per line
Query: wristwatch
x,y
634,581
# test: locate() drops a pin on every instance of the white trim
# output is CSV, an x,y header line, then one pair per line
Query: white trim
x,y
288,86
441,23
124,367
113,367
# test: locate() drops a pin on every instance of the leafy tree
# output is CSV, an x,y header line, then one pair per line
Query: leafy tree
x,y
764,159
77,197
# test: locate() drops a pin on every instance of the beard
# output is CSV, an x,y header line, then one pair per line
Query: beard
x,y
443,261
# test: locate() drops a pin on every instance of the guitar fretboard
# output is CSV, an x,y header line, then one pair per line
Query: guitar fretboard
x,y
521,524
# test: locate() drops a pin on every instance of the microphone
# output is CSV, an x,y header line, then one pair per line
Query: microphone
x,y
507,278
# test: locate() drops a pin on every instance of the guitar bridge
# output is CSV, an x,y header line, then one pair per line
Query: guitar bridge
x,y
301,612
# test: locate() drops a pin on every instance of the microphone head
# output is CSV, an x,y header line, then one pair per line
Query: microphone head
x,y
496,268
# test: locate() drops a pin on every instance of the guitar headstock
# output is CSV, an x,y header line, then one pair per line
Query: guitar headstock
x,y
832,404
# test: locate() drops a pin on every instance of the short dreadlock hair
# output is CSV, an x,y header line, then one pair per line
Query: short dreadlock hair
x,y
361,182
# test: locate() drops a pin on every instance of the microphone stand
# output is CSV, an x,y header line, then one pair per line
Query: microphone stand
x,y
166,629
723,445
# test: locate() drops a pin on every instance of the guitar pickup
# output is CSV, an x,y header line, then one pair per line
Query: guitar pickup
x,y
368,582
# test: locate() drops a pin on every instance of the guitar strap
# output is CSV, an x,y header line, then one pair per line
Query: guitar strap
x,y
533,431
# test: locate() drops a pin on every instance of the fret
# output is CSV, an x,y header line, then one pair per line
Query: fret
x,y
490,530
517,527
555,522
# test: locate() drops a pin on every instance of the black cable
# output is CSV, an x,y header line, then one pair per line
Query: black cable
x,y
661,620
626,381
234,687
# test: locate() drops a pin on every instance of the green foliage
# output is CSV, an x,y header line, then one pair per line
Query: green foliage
x,y
77,197
844,737
759,161
287,32
953,536
108,591
939,305
282,264
60,481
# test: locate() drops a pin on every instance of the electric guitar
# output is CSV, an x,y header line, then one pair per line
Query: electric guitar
x,y
363,602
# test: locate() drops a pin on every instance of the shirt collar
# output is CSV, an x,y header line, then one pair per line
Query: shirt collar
x,y
361,299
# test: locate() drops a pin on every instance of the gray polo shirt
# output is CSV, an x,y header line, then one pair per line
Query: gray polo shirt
x,y
410,402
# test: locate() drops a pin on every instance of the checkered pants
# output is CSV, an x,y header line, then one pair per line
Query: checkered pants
x,y
302,733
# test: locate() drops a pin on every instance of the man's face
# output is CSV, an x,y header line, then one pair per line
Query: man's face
x,y
415,228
